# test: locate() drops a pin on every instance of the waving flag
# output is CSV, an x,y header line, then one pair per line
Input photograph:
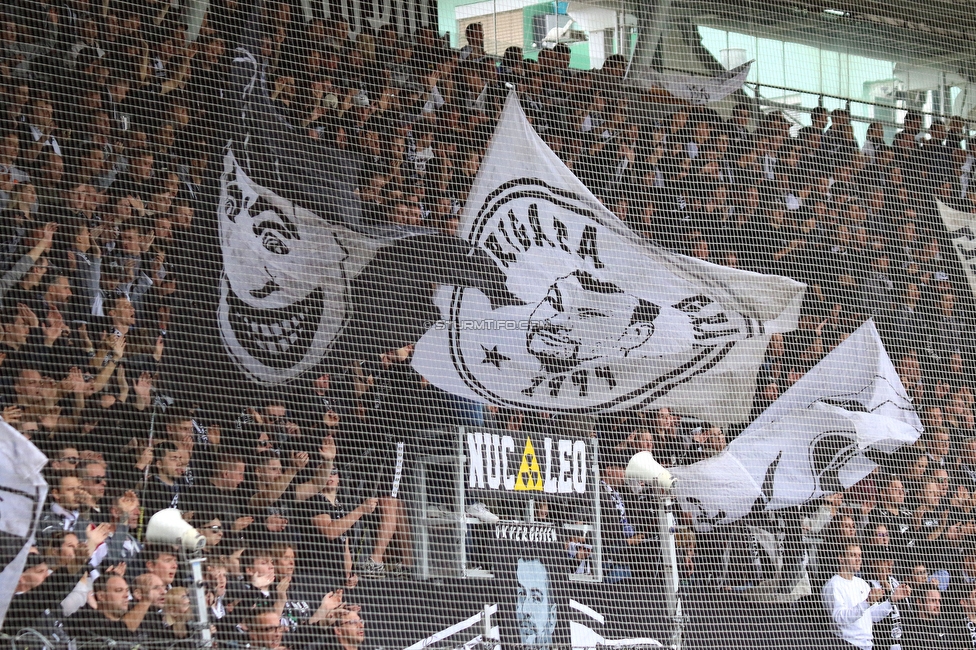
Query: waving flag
x,y
601,319
817,438
298,271
962,229
695,88
22,494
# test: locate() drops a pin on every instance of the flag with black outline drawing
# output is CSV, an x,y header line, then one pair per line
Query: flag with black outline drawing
x,y
821,436
298,271
697,89
22,494
603,320
962,230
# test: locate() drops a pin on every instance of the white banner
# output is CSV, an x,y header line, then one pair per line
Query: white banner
x,y
811,441
22,494
697,89
962,229
607,320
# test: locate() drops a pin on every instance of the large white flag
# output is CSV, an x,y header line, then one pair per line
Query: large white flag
x,y
22,494
606,320
962,228
695,88
815,439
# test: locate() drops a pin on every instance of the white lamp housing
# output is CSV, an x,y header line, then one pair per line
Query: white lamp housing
x,y
168,527
643,467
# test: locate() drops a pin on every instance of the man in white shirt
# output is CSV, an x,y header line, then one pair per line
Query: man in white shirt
x,y
853,605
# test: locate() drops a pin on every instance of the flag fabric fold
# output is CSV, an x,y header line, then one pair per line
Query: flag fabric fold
x,y
817,438
601,319
22,493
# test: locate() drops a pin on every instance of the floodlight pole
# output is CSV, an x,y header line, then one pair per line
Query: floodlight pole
x,y
669,561
644,468
198,595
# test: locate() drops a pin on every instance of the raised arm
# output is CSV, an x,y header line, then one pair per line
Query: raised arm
x,y
334,528
271,492
312,487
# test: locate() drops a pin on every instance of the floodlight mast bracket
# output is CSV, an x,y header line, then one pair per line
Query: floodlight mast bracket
x,y
198,596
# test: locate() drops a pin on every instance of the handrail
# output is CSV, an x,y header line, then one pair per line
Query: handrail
x,y
848,100
757,86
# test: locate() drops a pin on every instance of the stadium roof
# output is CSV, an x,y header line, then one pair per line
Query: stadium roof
x,y
935,33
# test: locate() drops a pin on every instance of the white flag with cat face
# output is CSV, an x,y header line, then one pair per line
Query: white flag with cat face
x,y
607,320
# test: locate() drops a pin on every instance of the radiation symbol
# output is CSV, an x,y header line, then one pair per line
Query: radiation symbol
x,y
529,475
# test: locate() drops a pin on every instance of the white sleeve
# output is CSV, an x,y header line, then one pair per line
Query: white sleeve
x,y
100,552
77,598
880,610
842,616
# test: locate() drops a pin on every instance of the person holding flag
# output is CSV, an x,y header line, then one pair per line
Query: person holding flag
x,y
855,606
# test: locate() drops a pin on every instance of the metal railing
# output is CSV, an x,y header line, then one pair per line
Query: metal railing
x,y
758,87
929,116
29,638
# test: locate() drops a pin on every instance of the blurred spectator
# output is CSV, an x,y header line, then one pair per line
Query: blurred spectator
x,y
111,593
928,627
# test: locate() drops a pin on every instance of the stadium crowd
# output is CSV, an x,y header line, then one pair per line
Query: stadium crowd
x,y
108,148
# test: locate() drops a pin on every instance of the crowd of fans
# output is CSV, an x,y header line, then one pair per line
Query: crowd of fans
x,y
108,146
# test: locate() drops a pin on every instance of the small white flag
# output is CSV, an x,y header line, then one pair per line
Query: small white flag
x,y
434,101
962,229
694,88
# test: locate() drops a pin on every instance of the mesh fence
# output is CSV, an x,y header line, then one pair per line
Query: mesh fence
x,y
414,324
